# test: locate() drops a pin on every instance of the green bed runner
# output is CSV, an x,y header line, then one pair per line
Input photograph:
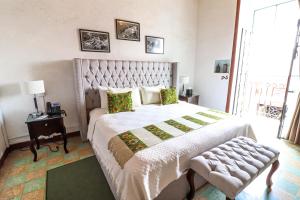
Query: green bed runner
x,y
125,145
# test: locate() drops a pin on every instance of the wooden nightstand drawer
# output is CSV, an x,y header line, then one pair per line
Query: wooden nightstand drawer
x,y
46,127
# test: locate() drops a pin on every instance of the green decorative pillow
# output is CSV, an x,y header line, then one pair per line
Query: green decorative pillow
x,y
168,96
119,102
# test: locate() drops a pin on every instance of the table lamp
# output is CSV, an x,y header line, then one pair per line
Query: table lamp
x,y
184,80
35,88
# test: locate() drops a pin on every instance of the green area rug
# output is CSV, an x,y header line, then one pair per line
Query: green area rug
x,y
80,180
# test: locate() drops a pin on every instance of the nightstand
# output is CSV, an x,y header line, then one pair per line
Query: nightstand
x,y
46,127
194,99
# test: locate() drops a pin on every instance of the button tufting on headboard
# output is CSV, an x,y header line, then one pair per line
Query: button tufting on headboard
x,y
92,73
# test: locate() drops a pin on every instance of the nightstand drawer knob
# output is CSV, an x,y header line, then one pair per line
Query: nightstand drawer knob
x,y
46,124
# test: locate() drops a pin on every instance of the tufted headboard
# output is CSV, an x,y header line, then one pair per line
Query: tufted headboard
x,y
91,73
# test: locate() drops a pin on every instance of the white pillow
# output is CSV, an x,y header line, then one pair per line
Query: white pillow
x,y
135,95
151,95
103,96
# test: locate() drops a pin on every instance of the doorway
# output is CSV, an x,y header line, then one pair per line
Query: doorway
x,y
264,56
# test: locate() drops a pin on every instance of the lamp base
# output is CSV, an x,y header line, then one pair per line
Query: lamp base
x,y
37,114
182,92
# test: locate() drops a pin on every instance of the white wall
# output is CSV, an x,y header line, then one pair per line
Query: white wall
x,y
216,19
39,38
3,138
2,142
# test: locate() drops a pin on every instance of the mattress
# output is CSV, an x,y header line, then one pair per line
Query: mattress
x,y
149,171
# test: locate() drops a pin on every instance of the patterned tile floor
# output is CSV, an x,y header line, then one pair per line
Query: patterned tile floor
x,y
20,178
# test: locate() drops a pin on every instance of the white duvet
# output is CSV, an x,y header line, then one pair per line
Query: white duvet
x,y
149,171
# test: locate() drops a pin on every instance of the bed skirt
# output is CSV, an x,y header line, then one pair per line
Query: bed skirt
x,y
176,190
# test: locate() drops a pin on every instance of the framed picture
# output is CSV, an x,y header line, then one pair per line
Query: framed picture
x,y
222,66
126,30
95,41
154,45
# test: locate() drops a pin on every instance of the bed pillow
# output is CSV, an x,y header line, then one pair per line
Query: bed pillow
x,y
168,96
151,95
103,96
119,102
136,96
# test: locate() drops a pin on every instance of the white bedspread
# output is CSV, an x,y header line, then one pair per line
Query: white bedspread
x,y
149,171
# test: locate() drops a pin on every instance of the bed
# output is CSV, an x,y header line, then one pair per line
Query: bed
x,y
157,172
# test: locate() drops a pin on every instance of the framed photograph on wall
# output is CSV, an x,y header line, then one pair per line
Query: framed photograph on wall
x,y
222,66
94,41
127,30
154,45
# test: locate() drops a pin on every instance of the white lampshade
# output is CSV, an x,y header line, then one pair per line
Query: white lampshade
x,y
185,79
34,87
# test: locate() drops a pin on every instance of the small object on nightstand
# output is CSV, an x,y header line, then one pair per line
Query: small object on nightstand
x,y
189,92
54,109
193,99
41,117
46,126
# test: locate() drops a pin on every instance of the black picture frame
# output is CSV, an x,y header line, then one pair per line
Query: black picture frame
x,y
89,36
153,50
131,35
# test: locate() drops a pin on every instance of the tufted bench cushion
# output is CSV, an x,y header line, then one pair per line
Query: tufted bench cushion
x,y
235,164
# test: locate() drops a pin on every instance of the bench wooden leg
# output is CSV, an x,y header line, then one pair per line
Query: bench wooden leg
x,y
269,182
190,178
227,198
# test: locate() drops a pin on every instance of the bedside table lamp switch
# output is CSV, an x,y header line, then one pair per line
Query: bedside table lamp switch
x,y
35,88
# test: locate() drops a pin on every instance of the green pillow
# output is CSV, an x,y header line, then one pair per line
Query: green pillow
x,y
168,96
119,102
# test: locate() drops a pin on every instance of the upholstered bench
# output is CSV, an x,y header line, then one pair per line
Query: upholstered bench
x,y
233,165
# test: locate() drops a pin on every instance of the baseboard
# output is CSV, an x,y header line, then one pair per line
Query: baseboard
x,y
42,141
27,143
25,137
20,139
